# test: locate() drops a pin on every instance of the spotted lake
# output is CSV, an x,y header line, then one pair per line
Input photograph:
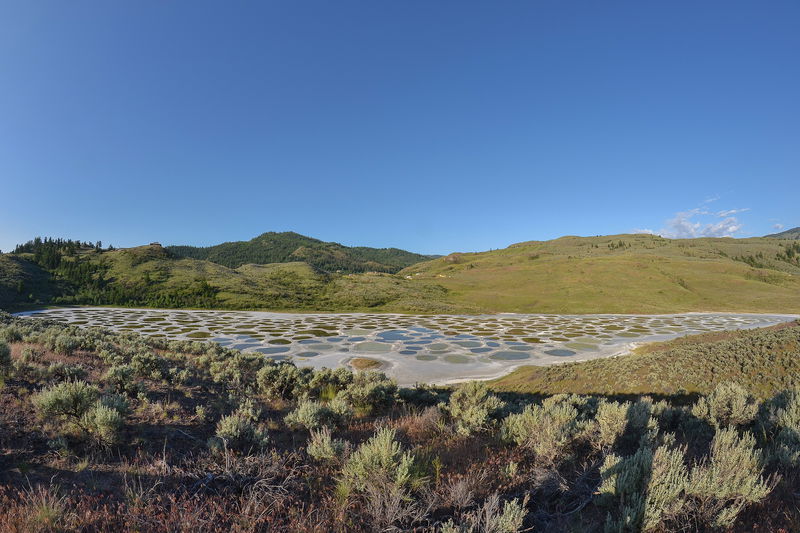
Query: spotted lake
x,y
431,349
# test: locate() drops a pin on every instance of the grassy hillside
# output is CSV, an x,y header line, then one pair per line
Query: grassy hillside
x,y
24,283
623,274
612,274
793,233
764,361
151,276
291,247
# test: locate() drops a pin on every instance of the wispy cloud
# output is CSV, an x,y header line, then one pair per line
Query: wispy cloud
x,y
731,212
694,223
778,227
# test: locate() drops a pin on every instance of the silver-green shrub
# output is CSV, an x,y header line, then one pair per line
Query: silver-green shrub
x,y
729,404
121,379
383,459
491,518
731,480
779,428
75,405
472,407
103,424
611,419
281,380
323,447
238,432
644,489
311,414
369,391
70,399
547,430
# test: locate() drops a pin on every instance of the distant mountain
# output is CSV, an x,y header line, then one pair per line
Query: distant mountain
x,y
290,247
793,233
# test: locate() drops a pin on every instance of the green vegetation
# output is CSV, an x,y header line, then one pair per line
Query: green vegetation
x,y
763,361
68,272
613,274
623,274
289,247
193,436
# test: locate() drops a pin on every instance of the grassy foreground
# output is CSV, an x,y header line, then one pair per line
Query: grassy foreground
x,y
118,432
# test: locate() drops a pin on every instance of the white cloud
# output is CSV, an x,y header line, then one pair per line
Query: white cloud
x,y
690,225
730,212
778,227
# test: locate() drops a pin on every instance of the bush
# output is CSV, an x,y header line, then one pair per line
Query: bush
x,y
10,334
385,476
65,344
75,404
238,432
546,429
779,426
472,407
491,518
31,354
325,383
70,399
58,371
732,479
611,419
381,459
280,380
369,391
121,379
315,415
644,489
103,424
148,365
728,404
324,448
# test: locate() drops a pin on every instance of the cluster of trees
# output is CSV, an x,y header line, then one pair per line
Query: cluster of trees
x,y
48,251
791,253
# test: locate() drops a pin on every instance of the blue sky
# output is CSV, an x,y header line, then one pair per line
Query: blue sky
x,y
431,126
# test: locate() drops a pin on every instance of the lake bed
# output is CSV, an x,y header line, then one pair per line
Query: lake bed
x,y
414,348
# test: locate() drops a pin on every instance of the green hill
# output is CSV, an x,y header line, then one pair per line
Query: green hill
x,y
24,282
793,234
611,274
151,276
623,274
290,247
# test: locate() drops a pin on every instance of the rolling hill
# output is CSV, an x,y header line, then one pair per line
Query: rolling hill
x,y
152,276
623,274
610,274
290,247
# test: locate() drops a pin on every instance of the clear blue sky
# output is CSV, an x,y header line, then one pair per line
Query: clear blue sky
x,y
433,126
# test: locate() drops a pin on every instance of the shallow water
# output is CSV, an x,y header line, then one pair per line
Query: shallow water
x,y
432,349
